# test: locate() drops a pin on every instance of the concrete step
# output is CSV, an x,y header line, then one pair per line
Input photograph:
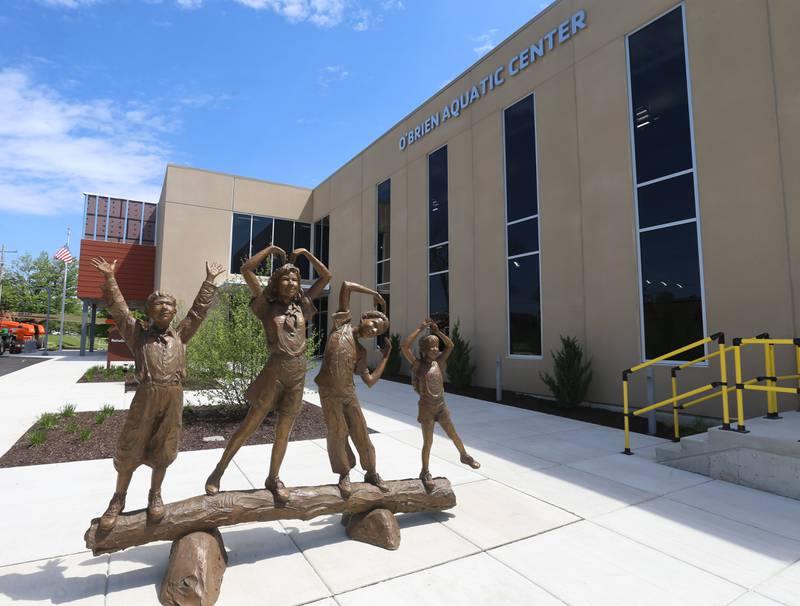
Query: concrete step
x,y
766,458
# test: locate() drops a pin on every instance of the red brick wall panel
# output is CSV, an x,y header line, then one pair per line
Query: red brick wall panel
x,y
135,269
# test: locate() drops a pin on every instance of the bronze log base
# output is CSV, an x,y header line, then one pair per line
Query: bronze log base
x,y
197,562
237,507
379,527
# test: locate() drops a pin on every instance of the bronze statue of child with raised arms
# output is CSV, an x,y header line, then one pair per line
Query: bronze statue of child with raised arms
x,y
345,357
152,429
285,311
428,381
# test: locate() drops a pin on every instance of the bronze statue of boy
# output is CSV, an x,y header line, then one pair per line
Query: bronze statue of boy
x,y
284,310
344,357
428,381
152,429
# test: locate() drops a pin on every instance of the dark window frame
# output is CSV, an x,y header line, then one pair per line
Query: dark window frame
x,y
535,216
697,352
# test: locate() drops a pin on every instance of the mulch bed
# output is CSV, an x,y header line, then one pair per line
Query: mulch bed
x,y
598,416
130,381
198,422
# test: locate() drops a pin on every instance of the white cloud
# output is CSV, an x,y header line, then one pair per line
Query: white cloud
x,y
486,41
52,148
324,13
332,73
389,5
68,3
189,4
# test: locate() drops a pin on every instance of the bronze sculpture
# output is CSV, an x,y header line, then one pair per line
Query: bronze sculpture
x,y
428,381
152,428
344,357
285,310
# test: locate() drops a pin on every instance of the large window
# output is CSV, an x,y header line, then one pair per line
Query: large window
x,y
383,254
522,230
438,253
322,233
251,233
665,188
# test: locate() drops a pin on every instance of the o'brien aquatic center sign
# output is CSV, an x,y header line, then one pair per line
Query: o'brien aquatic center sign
x,y
515,65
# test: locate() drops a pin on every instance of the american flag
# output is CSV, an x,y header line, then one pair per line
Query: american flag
x,y
63,254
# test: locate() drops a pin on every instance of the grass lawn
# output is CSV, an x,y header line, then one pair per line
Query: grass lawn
x,y
74,342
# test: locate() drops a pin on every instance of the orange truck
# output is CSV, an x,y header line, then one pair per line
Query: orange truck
x,y
14,335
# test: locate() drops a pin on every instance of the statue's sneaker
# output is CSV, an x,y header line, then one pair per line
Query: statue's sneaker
x,y
468,460
344,487
427,480
155,506
115,507
372,477
212,483
278,489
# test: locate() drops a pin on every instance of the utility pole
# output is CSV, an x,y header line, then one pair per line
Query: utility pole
x,y
3,251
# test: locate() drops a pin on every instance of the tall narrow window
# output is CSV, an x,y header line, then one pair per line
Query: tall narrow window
x,y
438,248
665,188
240,242
321,236
383,278
522,230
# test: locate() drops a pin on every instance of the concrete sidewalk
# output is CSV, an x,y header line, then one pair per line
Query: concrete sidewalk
x,y
554,515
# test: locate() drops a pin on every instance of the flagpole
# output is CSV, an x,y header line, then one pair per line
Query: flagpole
x,y
63,301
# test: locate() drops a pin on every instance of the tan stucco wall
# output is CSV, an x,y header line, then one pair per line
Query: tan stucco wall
x,y
196,214
588,242
745,92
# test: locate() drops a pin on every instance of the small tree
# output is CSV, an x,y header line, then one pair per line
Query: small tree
x,y
572,373
229,350
395,361
460,367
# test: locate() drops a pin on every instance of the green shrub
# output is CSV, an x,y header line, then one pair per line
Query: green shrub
x,y
459,366
84,434
67,411
108,409
72,427
37,438
48,420
229,350
572,373
395,356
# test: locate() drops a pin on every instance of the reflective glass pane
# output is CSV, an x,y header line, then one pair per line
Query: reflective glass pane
x,y
240,242
302,239
262,237
523,237
318,240
384,274
520,151
437,196
666,201
283,237
673,311
438,258
660,103
524,306
384,201
325,240
439,299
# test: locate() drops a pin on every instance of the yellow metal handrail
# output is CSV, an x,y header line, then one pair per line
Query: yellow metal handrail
x,y
675,397
770,379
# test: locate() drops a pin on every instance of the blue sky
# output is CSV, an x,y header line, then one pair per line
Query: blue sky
x,y
99,95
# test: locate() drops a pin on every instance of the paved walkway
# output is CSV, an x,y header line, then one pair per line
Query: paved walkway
x,y
554,516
